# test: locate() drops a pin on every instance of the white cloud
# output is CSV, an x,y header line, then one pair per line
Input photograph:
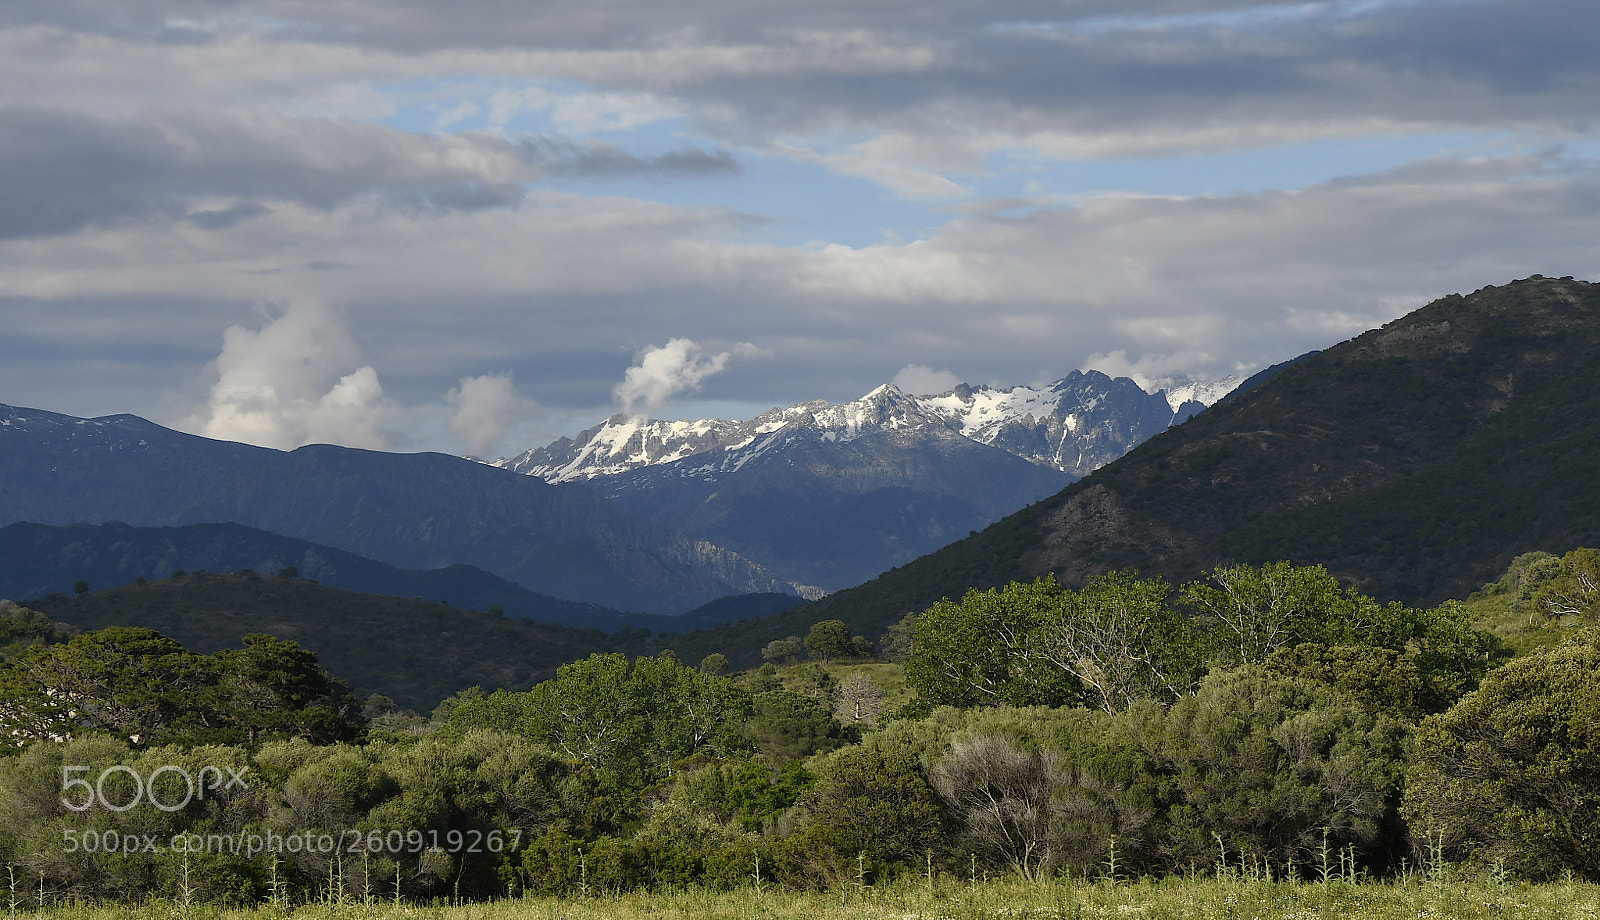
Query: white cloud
x,y
902,165
297,380
1151,370
922,380
664,371
456,114
485,408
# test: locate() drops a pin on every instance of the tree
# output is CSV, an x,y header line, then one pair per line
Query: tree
x,y
976,653
274,688
829,639
1121,641
1574,589
628,721
857,699
786,725
1005,796
1268,764
132,682
1380,679
1256,611
897,641
1251,612
1511,773
873,799
21,627
80,587
783,651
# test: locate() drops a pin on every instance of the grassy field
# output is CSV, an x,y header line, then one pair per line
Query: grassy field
x,y
1008,899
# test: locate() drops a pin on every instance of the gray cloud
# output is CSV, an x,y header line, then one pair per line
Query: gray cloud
x,y
563,294
598,160
169,169
1100,68
62,171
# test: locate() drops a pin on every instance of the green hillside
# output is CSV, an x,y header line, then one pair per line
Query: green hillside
x,y
412,651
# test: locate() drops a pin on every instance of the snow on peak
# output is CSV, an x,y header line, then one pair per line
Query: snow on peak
x,y
1075,424
1205,392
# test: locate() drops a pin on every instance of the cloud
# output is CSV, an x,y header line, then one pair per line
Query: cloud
x,y
293,382
165,168
1153,370
664,371
922,380
485,408
60,172
593,159
1224,281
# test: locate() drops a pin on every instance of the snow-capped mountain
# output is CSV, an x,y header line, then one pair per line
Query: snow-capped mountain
x,y
833,494
1075,425
1199,394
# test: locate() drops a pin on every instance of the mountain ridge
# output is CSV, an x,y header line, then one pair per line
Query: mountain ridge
x,y
994,416
834,494
1413,461
417,511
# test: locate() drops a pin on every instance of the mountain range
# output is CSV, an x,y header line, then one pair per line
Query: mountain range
x,y
1413,461
414,511
38,560
634,520
833,494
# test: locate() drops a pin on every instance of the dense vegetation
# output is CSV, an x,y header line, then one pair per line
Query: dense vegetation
x,y
414,651
1264,720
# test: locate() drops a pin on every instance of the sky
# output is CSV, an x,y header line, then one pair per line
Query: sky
x,y
479,225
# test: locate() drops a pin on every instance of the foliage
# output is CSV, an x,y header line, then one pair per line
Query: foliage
x,y
1118,641
830,639
414,652
787,725
627,720
1005,796
1572,587
1511,773
141,686
871,799
1267,765
976,653
623,773
783,651
21,627
1121,641
857,699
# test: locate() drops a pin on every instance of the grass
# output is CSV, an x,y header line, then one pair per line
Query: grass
x,y
1198,898
1520,625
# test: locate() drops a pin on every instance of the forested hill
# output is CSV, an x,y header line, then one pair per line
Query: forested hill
x,y
413,651
1414,461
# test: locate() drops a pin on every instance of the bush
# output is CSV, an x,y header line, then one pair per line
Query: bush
x,y
1511,774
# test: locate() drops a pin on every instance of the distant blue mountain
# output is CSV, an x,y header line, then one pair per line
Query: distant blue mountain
x,y
414,511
